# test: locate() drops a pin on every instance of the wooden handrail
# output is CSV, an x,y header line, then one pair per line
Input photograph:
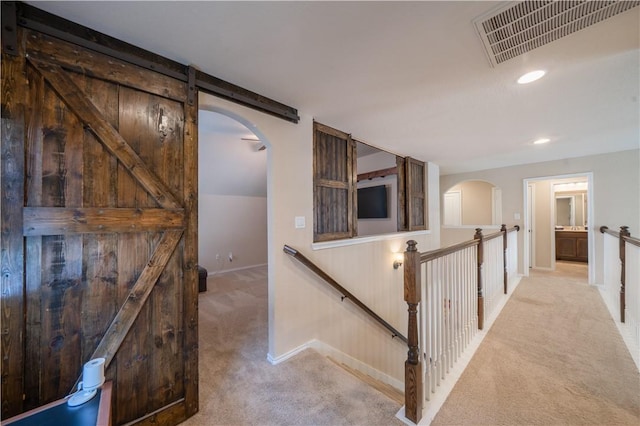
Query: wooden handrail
x,y
441,252
631,240
493,235
606,230
345,293
435,254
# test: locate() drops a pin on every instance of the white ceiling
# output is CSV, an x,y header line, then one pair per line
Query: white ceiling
x,y
410,77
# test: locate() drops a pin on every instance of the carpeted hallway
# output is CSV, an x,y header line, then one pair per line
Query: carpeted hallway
x,y
238,386
553,357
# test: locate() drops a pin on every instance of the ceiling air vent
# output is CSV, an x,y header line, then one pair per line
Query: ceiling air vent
x,y
516,29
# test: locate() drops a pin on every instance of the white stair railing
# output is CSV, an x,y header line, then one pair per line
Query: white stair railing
x,y
449,316
612,270
632,293
512,257
621,290
447,291
493,272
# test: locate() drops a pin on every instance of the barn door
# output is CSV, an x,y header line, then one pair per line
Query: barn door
x,y
102,212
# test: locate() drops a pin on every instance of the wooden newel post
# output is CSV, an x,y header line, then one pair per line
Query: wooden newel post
x,y
478,236
624,232
503,229
413,366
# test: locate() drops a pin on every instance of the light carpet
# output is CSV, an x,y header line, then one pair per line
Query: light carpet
x,y
552,357
238,386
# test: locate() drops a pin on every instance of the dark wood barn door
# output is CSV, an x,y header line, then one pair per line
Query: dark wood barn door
x,y
99,245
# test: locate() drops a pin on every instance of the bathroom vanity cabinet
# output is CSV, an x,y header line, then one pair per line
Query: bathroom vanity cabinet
x,y
572,245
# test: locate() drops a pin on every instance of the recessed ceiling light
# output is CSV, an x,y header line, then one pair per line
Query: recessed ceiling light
x,y
541,141
531,76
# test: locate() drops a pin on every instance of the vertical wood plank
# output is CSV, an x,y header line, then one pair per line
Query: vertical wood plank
x,y
156,135
100,264
402,191
164,150
133,253
11,243
61,255
190,261
33,267
352,184
73,197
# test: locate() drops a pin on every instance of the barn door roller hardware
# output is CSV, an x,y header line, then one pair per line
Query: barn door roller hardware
x,y
16,14
9,28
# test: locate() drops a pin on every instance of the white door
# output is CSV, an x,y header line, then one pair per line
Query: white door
x,y
530,234
452,208
496,206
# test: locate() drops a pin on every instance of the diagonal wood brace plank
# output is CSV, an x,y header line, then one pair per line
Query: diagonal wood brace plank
x,y
126,316
72,95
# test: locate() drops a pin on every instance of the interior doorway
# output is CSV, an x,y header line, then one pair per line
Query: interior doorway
x,y
542,228
232,195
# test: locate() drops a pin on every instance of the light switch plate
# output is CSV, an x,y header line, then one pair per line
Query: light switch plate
x,y
300,222
516,216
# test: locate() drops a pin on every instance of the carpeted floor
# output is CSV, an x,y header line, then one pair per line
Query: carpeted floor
x,y
238,386
553,357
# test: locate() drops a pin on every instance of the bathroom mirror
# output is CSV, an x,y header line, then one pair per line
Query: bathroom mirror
x,y
571,209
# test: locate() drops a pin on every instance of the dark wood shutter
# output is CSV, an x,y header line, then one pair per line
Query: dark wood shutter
x,y
334,184
99,200
402,198
415,194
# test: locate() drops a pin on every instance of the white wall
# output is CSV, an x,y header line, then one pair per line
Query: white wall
x,y
301,308
543,224
233,224
476,202
616,190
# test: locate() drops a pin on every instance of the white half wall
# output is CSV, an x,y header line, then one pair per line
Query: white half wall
x,y
231,224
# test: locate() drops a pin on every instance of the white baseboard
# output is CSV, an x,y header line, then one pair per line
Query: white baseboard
x,y
224,271
291,353
328,350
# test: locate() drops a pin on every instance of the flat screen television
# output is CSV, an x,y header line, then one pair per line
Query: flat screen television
x,y
372,202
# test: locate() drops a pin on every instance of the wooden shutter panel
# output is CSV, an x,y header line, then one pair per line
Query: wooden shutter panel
x,y
402,199
334,184
415,194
